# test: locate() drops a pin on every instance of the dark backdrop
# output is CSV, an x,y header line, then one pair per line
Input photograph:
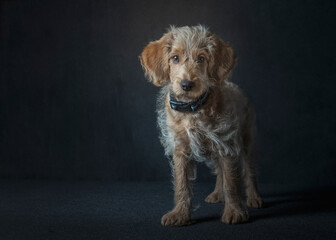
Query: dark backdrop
x,y
74,103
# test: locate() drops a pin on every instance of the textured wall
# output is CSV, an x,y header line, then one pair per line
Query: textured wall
x,y
74,103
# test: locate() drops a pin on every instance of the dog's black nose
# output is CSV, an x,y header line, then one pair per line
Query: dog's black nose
x,y
187,85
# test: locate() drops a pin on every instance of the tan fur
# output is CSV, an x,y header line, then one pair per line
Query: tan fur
x,y
220,133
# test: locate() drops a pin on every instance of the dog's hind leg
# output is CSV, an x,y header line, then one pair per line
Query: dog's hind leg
x,y
217,195
253,198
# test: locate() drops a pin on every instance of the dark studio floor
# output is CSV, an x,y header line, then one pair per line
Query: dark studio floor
x,y
100,210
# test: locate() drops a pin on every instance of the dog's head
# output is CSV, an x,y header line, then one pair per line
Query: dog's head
x,y
190,59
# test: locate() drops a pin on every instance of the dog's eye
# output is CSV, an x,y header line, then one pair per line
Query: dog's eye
x,y
200,59
175,59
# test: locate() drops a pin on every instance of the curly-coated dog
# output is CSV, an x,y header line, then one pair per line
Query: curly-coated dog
x,y
203,117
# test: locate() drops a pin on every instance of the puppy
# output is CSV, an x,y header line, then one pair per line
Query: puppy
x,y
203,117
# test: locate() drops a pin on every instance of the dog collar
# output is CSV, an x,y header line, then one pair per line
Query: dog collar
x,y
188,106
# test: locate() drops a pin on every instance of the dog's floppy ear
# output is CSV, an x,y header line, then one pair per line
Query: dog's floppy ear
x,y
155,60
222,61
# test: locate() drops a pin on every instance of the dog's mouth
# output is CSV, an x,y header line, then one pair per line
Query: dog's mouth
x,y
188,106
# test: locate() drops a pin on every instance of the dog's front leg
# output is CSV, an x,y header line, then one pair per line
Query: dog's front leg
x,y
234,211
184,175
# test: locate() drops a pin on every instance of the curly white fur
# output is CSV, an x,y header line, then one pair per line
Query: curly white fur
x,y
224,133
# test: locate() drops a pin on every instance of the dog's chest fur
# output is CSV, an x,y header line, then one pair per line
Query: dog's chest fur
x,y
204,135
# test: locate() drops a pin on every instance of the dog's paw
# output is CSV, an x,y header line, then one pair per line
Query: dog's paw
x,y
174,218
254,202
234,215
213,197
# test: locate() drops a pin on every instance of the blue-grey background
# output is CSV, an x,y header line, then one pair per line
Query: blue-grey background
x,y
74,103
